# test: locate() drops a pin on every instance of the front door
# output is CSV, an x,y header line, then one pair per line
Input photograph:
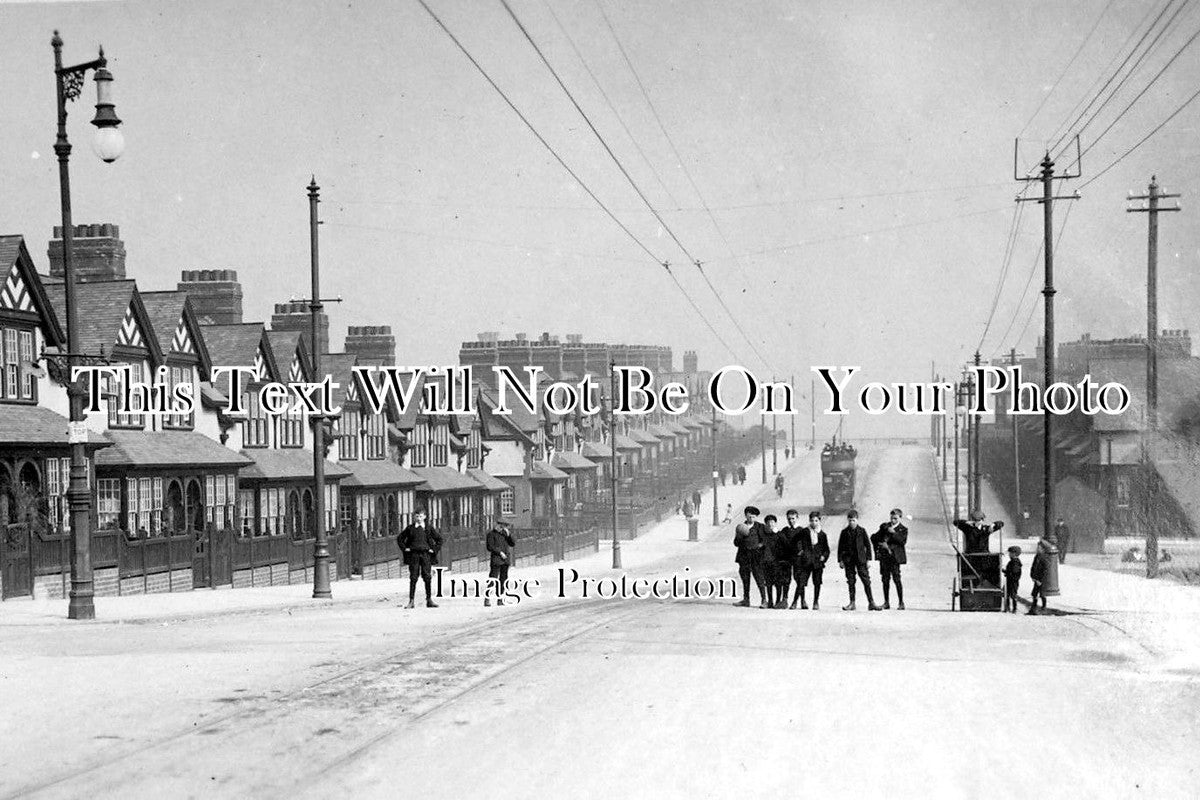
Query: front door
x,y
16,573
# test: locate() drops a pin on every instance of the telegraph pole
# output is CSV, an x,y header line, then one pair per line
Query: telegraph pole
x,y
715,467
762,428
612,440
957,401
321,587
1012,360
1152,196
812,410
968,390
976,488
774,441
1047,199
943,439
793,382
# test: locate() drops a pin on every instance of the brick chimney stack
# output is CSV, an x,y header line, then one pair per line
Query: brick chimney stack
x,y
372,343
99,253
298,317
691,364
216,295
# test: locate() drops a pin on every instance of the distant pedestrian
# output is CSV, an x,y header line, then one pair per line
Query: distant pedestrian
x,y
499,544
723,474
689,510
1037,573
890,543
741,472
420,544
787,453
696,497
1062,535
854,553
1012,579
748,539
728,514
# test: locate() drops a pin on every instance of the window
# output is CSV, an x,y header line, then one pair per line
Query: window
x,y
474,450
220,491
256,432
176,377
144,496
115,388
291,427
108,503
246,512
12,363
348,436
376,437
506,502
28,381
17,381
58,478
420,445
331,507
271,506
1122,491
439,454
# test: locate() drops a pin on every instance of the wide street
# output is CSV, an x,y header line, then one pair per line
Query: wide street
x,y
637,697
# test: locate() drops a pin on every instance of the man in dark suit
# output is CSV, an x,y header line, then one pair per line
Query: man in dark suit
x,y
499,545
854,553
420,544
976,532
749,541
1062,536
777,563
811,553
890,542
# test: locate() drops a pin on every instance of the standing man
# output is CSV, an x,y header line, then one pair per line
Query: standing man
x,y
976,532
420,544
749,540
696,497
500,543
889,543
854,553
1062,535
812,551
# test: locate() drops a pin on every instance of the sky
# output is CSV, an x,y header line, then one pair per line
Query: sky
x,y
856,156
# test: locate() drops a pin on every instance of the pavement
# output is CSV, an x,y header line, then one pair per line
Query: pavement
x,y
677,698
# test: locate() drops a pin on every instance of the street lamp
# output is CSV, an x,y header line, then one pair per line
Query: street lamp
x,y
109,144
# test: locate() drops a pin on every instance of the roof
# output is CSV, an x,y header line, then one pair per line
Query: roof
x,y
36,425
445,479
661,431
13,253
570,460
675,428
596,452
339,367
102,305
645,437
692,422
408,420
372,474
1178,391
625,443
489,482
520,418
544,472
166,449
499,426
286,463
283,345
233,345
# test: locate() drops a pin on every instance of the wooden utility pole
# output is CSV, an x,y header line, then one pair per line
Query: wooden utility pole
x,y
793,381
1047,178
1012,360
1152,196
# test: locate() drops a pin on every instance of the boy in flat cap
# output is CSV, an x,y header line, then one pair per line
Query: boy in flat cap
x,y
749,540
854,553
1012,579
499,544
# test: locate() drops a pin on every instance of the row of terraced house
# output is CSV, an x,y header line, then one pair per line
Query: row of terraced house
x,y
211,499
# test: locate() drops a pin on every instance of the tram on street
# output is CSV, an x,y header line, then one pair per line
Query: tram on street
x,y
837,475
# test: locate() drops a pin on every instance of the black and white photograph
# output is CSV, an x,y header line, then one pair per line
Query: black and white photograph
x,y
426,398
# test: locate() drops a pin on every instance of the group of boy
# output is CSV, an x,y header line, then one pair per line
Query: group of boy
x,y
772,557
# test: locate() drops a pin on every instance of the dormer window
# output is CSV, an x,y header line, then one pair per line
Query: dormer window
x,y
16,355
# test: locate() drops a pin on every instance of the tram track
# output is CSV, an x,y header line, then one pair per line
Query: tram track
x,y
396,688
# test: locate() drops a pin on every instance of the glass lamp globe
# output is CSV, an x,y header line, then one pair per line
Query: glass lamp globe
x,y
109,144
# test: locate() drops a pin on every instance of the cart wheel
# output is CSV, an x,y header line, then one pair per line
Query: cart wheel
x,y
955,591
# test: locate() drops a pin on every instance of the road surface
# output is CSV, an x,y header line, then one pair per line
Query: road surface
x,y
677,698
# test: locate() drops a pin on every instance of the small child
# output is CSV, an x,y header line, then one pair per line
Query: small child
x,y
1012,579
728,512
1037,573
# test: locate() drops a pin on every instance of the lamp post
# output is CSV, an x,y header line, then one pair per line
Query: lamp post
x,y
959,410
108,145
321,587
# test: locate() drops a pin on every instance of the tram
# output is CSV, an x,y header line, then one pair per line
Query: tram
x,y
837,475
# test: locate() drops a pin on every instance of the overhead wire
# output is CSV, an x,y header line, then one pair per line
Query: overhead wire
x,y
572,173
611,106
1057,242
629,178
680,160
1067,68
1005,263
